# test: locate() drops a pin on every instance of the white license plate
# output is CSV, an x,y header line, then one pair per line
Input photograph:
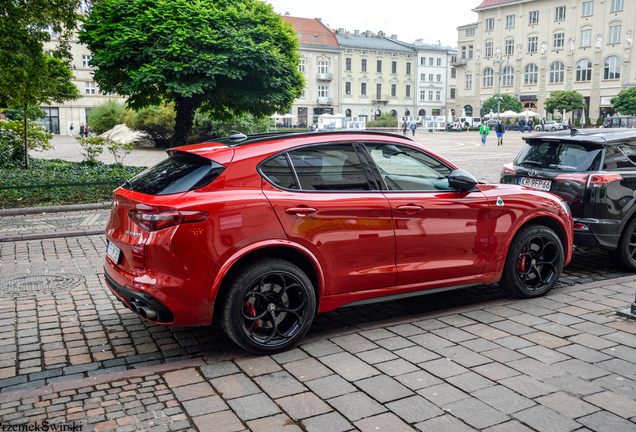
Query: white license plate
x,y
114,252
538,184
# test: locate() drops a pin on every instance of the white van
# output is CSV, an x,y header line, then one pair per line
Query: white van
x,y
472,121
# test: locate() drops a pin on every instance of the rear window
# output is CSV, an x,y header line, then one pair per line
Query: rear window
x,y
560,156
181,172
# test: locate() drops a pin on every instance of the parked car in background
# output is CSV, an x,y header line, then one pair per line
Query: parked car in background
x,y
268,230
550,126
620,122
594,170
471,121
513,126
492,123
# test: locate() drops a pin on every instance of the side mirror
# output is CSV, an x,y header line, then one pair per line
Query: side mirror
x,y
462,180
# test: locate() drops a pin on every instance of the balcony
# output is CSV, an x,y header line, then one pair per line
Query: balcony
x,y
325,100
324,76
459,62
381,98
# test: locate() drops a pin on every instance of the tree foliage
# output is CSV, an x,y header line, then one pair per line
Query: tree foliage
x,y
508,103
625,102
106,116
156,121
224,57
92,147
205,127
564,100
385,120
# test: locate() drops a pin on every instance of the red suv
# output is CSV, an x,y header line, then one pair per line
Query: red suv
x,y
268,230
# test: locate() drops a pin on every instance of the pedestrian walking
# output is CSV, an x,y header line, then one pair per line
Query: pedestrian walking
x,y
70,128
500,129
86,130
565,123
531,124
404,128
82,129
543,124
484,130
522,125
413,128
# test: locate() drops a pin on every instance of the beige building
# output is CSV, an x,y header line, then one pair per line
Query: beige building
x,y
534,47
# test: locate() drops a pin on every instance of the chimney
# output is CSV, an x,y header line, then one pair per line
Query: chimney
x,y
368,33
348,34
381,34
319,19
418,42
287,14
340,30
356,32
394,37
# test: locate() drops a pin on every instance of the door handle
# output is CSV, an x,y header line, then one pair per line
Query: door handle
x,y
410,209
299,211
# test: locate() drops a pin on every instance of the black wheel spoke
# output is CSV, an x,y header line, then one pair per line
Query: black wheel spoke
x,y
291,310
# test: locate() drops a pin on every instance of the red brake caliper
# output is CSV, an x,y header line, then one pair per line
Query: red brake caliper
x,y
521,263
251,311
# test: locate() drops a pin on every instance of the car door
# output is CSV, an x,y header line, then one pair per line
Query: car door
x,y
440,233
327,200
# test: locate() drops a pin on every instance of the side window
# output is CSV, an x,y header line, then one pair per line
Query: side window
x,y
279,172
623,156
329,167
406,169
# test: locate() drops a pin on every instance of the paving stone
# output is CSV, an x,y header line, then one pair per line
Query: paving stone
x,y
543,354
485,331
431,341
544,419
457,320
546,339
511,426
476,413
622,352
234,386
618,384
253,407
567,405
354,343
193,391
512,327
396,367
303,405
356,406
204,405
416,354
503,355
583,353
279,384
225,421
418,380
483,316
574,385
591,341
610,401
182,377
563,318
384,422
349,367
470,382
537,369
607,422
405,330
414,409
443,368
463,356
582,369
290,355
620,367
394,343
430,324
376,334
503,399
479,345
557,330
280,423
445,423
321,348
330,386
442,394
254,366
383,388
454,334
495,371
330,422
593,328
219,369
528,320
527,386
513,342
307,369
376,356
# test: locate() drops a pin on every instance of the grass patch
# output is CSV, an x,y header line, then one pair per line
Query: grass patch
x,y
46,172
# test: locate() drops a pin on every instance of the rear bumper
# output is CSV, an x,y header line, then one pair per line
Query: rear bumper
x,y
604,233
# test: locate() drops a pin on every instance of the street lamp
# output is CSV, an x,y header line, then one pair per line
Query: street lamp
x,y
494,63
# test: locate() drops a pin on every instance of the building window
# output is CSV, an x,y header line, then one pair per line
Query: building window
x,y
438,95
379,66
431,60
586,38
408,68
488,52
348,64
559,13
508,76
453,59
430,77
559,41
348,88
86,6
301,65
85,61
531,74
323,67
612,68
407,91
510,47
533,18
363,65
439,62
469,81
363,89
422,95
49,29
488,76
557,70
490,24
470,32
584,70
452,93
453,72
588,8
394,67
615,34
423,77
323,91
378,91
423,61
510,21
463,52
430,95
393,90
439,78
533,44
617,5
90,88
470,51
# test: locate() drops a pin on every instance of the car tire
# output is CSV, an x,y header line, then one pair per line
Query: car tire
x,y
534,262
553,129
268,306
625,253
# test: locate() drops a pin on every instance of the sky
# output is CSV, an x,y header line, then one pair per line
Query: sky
x,y
431,20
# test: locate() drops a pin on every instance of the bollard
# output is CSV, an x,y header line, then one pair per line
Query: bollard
x,y
628,313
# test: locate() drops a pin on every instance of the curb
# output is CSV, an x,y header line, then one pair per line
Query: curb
x,y
54,209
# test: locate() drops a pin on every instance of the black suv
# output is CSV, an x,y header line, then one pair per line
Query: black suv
x,y
594,170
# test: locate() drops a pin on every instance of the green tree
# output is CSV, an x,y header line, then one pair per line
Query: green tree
x,y
224,57
564,100
158,122
206,127
385,120
106,116
625,102
29,76
508,103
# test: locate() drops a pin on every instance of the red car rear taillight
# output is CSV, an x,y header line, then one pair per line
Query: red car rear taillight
x,y
152,220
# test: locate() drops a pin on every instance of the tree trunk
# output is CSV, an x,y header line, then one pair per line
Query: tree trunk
x,y
26,137
185,109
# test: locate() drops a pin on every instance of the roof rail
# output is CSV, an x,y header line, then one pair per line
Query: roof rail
x,y
574,131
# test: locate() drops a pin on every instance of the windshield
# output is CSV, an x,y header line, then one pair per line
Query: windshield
x,y
560,156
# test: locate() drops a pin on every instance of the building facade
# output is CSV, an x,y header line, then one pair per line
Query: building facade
x,y
530,48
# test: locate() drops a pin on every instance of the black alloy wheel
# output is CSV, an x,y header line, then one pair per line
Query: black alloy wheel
x,y
626,251
534,262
